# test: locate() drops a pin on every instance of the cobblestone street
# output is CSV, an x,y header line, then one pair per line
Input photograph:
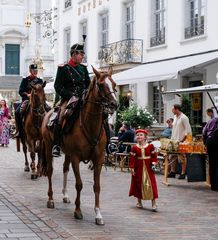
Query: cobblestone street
x,y
185,210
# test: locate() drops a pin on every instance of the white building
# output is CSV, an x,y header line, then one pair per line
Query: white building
x,y
174,42
21,45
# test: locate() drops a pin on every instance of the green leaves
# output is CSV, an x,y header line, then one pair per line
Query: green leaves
x,y
138,117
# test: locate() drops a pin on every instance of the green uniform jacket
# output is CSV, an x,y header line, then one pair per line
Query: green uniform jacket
x,y
71,81
25,86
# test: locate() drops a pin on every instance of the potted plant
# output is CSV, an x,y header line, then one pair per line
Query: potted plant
x,y
138,117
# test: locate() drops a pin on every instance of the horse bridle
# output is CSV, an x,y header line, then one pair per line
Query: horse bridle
x,y
40,110
103,99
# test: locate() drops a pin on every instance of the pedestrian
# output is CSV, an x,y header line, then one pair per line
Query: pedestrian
x,y
143,159
25,91
210,113
4,125
167,132
210,138
72,79
125,134
181,128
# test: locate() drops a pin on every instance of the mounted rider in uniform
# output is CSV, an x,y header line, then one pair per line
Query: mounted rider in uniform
x,y
25,91
71,81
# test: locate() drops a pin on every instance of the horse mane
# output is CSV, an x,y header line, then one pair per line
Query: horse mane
x,y
91,86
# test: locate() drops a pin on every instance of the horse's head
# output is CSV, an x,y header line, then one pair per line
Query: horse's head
x,y
37,98
106,90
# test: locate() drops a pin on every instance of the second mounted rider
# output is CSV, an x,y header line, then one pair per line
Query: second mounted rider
x,y
25,91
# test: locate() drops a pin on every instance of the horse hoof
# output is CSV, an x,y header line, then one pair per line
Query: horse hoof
x,y
50,204
34,176
66,200
99,221
26,169
78,215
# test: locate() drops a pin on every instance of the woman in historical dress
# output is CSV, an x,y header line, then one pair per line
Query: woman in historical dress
x,y
143,159
4,126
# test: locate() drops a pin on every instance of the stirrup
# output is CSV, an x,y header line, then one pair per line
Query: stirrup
x,y
56,151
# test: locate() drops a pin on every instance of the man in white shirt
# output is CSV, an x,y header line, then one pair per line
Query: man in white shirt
x,y
181,128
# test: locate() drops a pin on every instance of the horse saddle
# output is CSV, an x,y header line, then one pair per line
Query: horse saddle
x,y
72,113
53,118
24,108
71,106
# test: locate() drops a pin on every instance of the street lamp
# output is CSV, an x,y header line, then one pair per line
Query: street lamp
x,y
129,94
46,19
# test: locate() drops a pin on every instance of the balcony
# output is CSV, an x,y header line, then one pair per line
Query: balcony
x,y
158,39
122,52
194,31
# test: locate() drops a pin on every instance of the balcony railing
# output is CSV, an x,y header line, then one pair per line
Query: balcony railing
x,y
158,39
125,51
194,31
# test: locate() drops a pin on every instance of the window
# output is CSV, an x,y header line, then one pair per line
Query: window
x,y
67,43
12,59
104,29
195,18
129,20
158,23
67,4
83,32
158,107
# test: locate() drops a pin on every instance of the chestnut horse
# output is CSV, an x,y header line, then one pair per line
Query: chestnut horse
x,y
85,141
31,136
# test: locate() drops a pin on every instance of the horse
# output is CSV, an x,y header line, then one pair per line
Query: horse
x,y
85,141
31,136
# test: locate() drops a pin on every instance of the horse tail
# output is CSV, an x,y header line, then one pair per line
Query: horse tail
x,y
44,160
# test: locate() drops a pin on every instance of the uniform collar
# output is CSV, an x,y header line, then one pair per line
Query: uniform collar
x,y
72,63
31,77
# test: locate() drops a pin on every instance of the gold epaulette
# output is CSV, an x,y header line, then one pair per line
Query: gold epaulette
x,y
62,65
84,64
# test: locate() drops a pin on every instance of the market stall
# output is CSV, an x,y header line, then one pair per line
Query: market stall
x,y
195,153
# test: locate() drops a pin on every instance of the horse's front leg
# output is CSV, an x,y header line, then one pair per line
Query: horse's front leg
x,y
97,171
39,164
33,166
49,172
66,198
79,186
26,168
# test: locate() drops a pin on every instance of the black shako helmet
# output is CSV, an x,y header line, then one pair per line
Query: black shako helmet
x,y
77,48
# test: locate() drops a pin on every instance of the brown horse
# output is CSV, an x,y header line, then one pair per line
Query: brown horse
x,y
31,136
86,140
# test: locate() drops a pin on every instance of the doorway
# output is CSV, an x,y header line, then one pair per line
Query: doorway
x,y
12,59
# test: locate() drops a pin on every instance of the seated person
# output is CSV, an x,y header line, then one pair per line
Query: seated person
x,y
125,134
167,132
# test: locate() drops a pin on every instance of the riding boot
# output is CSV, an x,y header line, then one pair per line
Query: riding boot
x,y
18,121
57,140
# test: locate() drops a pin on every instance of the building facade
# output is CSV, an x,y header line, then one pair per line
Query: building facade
x,y
22,43
153,45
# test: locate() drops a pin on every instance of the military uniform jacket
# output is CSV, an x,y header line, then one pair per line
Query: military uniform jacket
x,y
71,81
25,86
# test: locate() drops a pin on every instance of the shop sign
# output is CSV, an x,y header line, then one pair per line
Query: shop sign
x,y
196,101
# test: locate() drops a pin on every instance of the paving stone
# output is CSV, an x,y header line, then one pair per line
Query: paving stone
x,y
185,210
